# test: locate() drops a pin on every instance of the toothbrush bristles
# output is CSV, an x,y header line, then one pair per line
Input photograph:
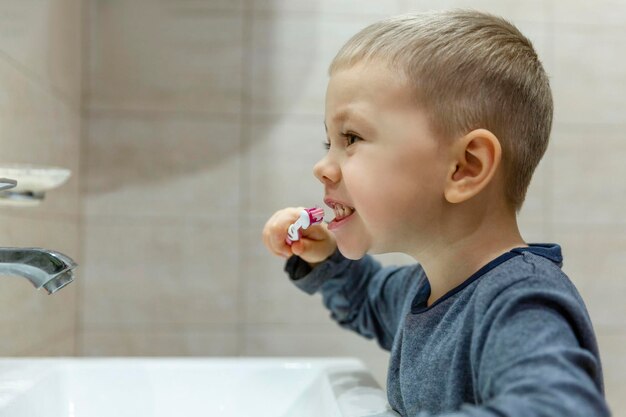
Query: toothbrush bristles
x,y
316,214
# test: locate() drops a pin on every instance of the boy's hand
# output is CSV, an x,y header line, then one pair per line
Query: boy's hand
x,y
315,245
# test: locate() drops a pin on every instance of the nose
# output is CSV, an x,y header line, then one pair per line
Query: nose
x,y
327,170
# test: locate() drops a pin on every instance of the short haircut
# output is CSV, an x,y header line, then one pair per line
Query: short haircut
x,y
468,70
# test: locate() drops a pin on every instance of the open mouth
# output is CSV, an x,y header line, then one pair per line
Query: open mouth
x,y
342,212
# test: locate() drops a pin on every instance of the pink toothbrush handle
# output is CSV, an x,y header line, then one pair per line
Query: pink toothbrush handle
x,y
308,217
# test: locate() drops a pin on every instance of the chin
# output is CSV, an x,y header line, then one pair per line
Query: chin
x,y
351,252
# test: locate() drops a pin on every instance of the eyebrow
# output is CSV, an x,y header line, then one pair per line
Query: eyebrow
x,y
345,115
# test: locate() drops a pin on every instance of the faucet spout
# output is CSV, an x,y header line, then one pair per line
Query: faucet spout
x,y
43,268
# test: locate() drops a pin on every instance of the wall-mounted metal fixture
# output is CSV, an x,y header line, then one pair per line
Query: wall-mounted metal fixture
x,y
43,268
30,183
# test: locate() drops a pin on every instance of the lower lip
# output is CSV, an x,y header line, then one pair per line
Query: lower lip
x,y
335,224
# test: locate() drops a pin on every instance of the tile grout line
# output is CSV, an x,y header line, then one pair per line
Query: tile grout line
x,y
86,16
244,186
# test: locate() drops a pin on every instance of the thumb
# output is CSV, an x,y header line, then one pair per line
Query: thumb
x,y
298,247
313,251
316,232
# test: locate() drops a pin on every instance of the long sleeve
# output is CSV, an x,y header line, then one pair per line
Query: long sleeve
x,y
513,340
361,295
535,356
540,355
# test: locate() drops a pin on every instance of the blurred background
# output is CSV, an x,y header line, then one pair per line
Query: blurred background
x,y
187,123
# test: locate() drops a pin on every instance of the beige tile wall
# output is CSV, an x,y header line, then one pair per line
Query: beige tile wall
x,y
206,117
40,114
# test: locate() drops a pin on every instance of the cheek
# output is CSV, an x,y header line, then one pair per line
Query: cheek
x,y
364,182
419,168
374,190
400,185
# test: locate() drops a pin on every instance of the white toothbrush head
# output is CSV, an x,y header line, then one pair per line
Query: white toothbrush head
x,y
308,217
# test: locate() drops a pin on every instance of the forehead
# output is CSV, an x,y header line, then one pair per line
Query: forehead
x,y
365,88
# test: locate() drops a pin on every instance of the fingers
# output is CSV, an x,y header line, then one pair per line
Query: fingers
x,y
314,251
316,243
316,232
275,231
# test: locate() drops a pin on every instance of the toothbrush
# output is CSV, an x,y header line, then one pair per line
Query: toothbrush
x,y
308,217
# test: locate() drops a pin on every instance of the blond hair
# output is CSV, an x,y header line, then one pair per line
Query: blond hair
x,y
468,70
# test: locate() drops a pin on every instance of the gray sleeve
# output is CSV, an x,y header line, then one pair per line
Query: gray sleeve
x,y
361,295
536,355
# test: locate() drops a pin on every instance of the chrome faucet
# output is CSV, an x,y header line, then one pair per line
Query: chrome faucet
x,y
43,268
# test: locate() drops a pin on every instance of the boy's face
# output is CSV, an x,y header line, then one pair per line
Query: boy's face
x,y
384,165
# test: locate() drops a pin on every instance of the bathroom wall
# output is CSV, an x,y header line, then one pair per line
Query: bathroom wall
x,y
207,116
40,121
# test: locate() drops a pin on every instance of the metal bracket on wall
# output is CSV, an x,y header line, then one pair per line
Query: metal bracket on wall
x,y
6,184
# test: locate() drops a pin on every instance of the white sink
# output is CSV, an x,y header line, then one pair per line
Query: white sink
x,y
159,387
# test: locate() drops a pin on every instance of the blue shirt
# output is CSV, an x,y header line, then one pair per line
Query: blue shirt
x,y
514,339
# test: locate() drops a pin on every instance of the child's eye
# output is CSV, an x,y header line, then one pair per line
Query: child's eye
x,y
326,144
351,138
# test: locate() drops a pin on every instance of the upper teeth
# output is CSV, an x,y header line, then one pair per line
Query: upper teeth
x,y
342,211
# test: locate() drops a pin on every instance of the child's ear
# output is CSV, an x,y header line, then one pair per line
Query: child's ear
x,y
475,159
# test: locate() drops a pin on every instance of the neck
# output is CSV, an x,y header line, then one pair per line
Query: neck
x,y
466,244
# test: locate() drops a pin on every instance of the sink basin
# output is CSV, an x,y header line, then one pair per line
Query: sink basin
x,y
159,387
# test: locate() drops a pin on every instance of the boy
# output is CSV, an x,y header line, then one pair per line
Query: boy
x,y
435,124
